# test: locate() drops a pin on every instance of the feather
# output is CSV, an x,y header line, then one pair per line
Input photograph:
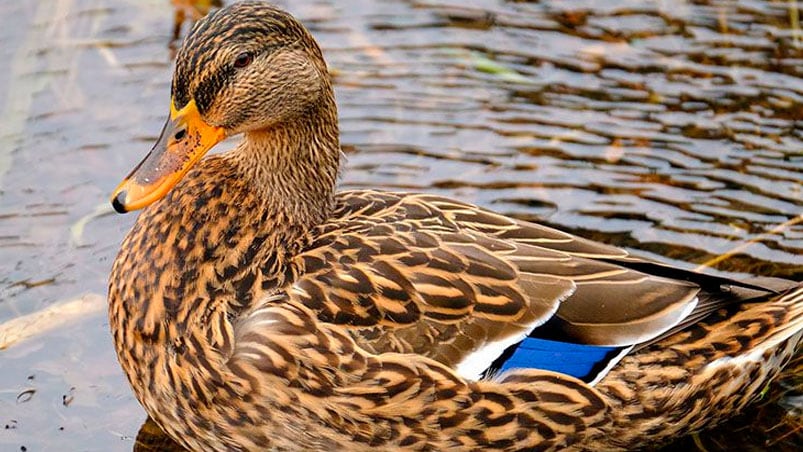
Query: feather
x,y
585,362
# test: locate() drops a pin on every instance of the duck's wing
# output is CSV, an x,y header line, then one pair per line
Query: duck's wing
x,y
423,274
585,304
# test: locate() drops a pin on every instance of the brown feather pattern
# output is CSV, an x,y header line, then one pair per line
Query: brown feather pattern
x,y
255,308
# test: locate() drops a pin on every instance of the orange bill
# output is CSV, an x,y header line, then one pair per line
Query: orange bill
x,y
184,140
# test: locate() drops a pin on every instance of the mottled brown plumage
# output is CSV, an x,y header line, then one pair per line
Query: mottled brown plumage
x,y
252,307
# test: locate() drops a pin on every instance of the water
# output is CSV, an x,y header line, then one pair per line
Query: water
x,y
668,127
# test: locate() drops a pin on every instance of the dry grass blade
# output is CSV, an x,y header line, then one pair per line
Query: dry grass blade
x,y
794,19
50,318
776,230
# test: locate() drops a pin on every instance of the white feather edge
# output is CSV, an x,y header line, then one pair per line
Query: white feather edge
x,y
478,361
615,360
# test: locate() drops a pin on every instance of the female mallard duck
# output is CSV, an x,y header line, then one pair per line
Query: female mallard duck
x,y
252,307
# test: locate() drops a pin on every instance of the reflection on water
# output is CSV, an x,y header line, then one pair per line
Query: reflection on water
x,y
189,11
670,127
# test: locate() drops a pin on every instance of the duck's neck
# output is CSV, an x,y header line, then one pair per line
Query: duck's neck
x,y
293,167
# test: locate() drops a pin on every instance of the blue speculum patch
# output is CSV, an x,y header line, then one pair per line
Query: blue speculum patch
x,y
577,360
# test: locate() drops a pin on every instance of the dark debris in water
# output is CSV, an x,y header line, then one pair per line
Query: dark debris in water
x,y
67,399
29,284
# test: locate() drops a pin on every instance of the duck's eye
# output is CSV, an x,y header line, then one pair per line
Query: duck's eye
x,y
243,60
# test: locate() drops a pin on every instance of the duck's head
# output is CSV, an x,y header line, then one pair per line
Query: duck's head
x,y
246,68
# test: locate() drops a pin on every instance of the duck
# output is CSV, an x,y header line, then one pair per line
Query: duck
x,y
253,306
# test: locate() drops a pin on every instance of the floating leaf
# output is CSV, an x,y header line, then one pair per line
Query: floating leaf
x,y
482,63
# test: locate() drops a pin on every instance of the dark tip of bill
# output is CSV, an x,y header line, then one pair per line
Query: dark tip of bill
x,y
117,202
